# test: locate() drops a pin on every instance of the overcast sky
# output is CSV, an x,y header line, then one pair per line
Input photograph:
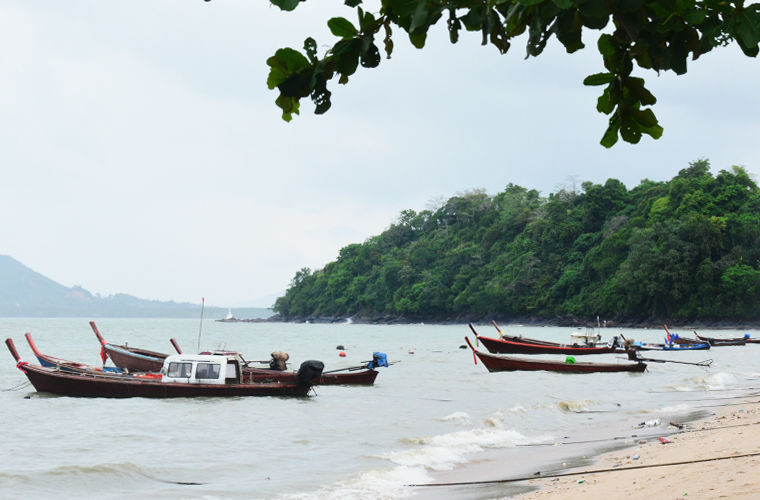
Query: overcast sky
x,y
142,152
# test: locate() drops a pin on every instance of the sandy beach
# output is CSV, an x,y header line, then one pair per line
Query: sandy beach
x,y
719,457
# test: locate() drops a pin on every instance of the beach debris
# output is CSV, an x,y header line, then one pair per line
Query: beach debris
x,y
342,354
340,347
581,481
676,425
635,457
664,440
649,423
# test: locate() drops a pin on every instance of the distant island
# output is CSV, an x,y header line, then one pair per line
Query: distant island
x,y
26,293
680,251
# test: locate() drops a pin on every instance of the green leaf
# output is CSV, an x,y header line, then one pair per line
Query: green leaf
x,y
342,27
284,63
346,54
286,5
353,3
418,39
529,3
610,135
696,16
604,103
598,79
645,117
605,45
563,4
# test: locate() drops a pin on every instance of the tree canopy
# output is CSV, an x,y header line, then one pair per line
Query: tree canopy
x,y
686,249
657,35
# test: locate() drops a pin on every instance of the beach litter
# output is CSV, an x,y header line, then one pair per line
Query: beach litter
x,y
665,440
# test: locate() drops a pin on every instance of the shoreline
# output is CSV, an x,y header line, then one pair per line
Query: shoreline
x,y
654,324
717,456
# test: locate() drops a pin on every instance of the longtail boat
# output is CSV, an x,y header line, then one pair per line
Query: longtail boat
x,y
499,363
520,345
716,342
127,358
357,375
674,338
63,364
182,376
647,346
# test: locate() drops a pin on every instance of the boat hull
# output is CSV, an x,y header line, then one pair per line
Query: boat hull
x,y
363,377
109,386
134,360
499,363
528,346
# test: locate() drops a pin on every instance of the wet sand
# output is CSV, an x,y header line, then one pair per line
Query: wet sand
x,y
719,457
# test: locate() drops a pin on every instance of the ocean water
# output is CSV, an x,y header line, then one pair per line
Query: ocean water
x,y
433,416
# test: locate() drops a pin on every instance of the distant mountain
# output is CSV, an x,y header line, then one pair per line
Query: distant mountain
x,y
26,293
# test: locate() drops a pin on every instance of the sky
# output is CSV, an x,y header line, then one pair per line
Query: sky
x,y
142,152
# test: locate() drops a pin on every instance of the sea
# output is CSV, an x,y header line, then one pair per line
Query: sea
x,y
434,425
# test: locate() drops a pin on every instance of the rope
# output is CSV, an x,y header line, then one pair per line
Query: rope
x,y
18,387
616,438
595,471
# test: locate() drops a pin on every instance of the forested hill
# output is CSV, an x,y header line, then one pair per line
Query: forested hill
x,y
683,250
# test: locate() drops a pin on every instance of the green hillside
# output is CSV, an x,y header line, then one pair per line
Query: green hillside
x,y
683,250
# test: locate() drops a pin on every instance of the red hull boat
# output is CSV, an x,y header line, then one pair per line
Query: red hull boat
x,y
497,363
716,342
63,364
348,376
520,345
127,358
90,384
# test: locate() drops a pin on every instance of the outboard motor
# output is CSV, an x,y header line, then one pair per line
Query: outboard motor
x,y
309,371
378,359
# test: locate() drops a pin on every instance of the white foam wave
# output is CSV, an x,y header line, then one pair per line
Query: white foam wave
x,y
383,484
458,417
443,452
575,406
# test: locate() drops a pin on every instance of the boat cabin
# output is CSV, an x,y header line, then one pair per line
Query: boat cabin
x,y
589,338
201,369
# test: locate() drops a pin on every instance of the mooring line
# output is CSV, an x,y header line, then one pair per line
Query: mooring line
x,y
634,436
538,475
18,387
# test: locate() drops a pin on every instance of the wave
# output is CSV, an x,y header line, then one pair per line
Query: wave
x,y
458,417
444,451
576,406
84,476
380,484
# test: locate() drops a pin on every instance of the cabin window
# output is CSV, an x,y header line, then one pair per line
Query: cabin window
x,y
179,370
207,371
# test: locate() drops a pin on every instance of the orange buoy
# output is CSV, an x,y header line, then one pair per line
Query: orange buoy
x,y
342,354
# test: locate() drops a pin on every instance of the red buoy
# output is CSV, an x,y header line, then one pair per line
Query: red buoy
x,y
342,354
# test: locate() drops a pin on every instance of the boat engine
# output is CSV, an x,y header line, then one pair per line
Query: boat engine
x,y
378,359
308,371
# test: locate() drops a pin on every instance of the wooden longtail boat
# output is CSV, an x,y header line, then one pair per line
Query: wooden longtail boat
x,y
188,380
520,345
674,338
62,364
127,358
646,346
716,342
497,363
361,375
